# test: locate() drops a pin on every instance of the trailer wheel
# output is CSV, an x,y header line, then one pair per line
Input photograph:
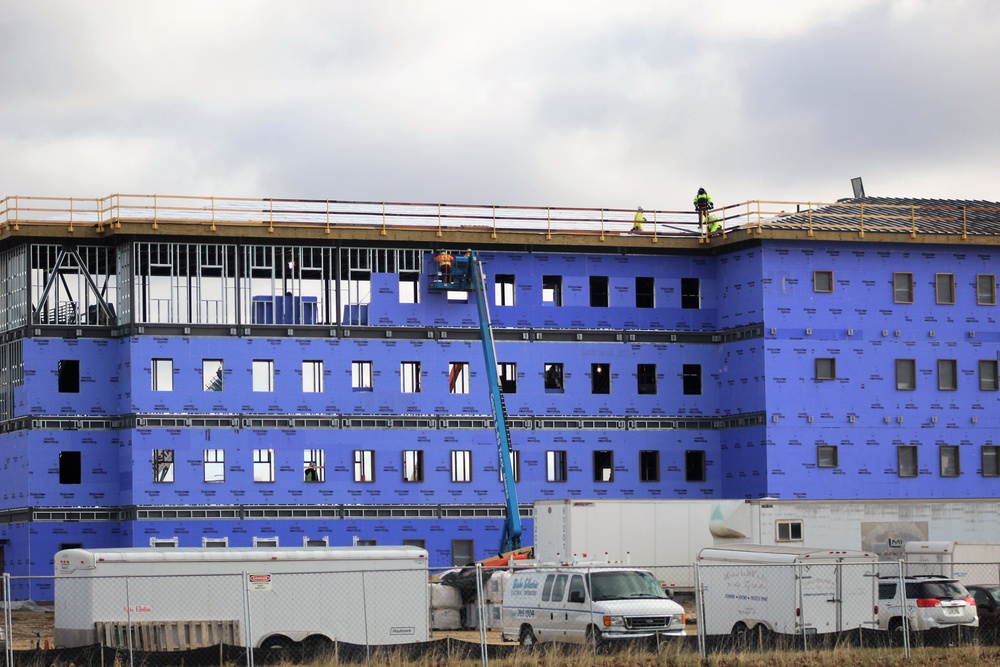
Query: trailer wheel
x,y
527,636
277,643
316,646
740,635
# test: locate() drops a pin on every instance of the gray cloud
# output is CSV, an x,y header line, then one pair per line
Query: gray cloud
x,y
563,103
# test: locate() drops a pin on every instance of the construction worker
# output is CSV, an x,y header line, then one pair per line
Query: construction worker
x,y
702,205
444,260
639,219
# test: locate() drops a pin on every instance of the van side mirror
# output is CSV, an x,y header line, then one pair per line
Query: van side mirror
x,y
576,596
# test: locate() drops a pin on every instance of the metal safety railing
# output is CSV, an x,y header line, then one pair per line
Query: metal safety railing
x,y
756,216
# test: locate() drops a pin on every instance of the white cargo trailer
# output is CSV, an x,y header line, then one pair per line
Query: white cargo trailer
x,y
878,526
171,598
785,590
969,562
662,535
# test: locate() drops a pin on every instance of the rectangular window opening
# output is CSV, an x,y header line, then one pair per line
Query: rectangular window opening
x,y
504,289
409,377
163,374
986,289
507,373
822,281
649,465
552,290
515,464
364,465
906,374
458,377
690,292
312,377
554,378
600,378
361,376
599,296
645,293
314,465
555,466
902,287
692,379
694,465
907,460
604,466
461,465
949,461
263,465
988,375
413,465
826,369
991,460
70,468
163,466
947,374
263,375
211,374
944,288
214,463
826,456
69,376
409,287
646,378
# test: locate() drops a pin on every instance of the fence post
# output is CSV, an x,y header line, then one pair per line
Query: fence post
x,y
699,610
247,633
480,612
906,611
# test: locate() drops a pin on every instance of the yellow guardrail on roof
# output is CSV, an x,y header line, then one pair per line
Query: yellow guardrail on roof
x,y
753,216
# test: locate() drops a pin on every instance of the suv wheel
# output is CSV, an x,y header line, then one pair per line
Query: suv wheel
x,y
896,625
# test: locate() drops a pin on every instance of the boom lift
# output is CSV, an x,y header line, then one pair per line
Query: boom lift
x,y
466,274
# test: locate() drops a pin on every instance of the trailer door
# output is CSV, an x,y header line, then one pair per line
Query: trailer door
x,y
819,598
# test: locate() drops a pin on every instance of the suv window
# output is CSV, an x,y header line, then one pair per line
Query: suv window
x,y
886,591
941,590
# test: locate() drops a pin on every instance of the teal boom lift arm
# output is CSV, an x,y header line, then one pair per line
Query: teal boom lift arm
x,y
467,275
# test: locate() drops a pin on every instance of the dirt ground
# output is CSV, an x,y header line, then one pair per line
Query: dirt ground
x,y
29,627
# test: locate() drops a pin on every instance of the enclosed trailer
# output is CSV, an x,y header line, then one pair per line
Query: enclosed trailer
x,y
662,535
969,562
785,590
171,598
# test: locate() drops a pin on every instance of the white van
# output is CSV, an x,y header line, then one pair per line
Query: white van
x,y
587,605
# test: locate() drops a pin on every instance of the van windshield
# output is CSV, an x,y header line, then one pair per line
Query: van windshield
x,y
624,585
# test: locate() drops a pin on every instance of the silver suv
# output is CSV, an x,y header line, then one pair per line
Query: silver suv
x,y
932,602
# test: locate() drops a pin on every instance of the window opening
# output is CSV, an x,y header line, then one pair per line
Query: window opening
x,y
599,297
645,294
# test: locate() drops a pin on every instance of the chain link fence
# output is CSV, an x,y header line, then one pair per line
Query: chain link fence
x,y
477,613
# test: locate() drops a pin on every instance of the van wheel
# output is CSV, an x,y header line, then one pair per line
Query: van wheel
x,y
527,637
593,636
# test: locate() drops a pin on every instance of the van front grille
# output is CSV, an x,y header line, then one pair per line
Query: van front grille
x,y
646,622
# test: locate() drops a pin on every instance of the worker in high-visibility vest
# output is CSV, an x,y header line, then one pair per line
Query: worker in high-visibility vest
x,y
702,205
639,219
444,260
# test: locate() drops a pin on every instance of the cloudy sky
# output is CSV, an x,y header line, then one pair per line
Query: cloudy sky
x,y
612,103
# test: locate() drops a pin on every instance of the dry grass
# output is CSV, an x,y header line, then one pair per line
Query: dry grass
x,y
937,657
